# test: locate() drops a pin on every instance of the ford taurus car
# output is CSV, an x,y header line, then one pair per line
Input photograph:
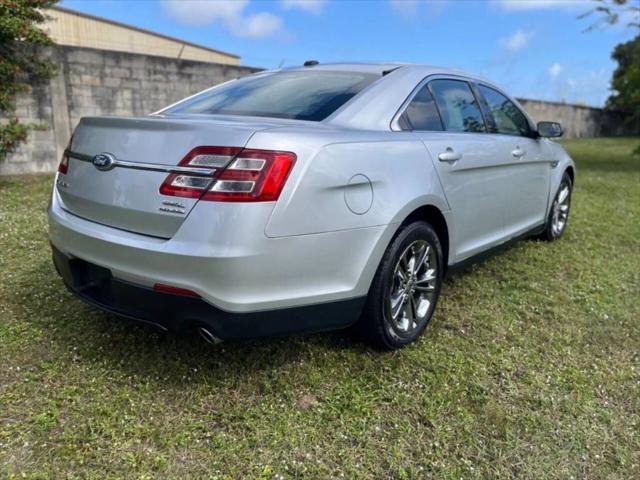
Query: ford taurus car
x,y
303,199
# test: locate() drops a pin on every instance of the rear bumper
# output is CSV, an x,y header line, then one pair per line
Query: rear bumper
x,y
221,253
97,286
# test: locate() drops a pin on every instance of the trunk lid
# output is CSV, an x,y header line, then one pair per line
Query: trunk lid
x,y
128,197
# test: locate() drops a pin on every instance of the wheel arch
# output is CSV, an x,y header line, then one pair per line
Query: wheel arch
x,y
432,215
572,174
428,208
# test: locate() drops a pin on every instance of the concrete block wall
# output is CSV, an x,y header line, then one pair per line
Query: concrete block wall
x,y
34,156
101,82
579,121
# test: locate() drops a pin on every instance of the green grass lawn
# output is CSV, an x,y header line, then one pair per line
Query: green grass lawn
x,y
531,368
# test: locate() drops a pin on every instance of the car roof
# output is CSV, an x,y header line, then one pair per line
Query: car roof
x,y
375,68
380,68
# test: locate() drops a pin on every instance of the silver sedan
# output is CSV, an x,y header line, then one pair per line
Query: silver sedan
x,y
303,199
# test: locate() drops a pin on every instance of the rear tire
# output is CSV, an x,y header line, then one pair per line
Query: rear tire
x,y
559,213
405,289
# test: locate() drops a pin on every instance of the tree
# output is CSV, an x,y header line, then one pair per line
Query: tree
x,y
626,80
21,63
613,11
625,83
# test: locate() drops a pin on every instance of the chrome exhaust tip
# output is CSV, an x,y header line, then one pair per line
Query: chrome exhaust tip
x,y
209,337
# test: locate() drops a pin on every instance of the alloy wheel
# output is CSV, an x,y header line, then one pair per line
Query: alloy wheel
x,y
560,209
413,289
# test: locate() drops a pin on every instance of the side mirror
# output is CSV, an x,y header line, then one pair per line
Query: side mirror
x,y
549,129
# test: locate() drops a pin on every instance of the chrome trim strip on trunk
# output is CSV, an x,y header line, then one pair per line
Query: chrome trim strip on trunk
x,y
207,172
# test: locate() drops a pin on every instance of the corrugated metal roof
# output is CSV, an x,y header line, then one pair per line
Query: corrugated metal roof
x,y
142,30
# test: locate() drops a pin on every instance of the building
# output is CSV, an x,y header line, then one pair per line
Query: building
x,y
70,28
108,68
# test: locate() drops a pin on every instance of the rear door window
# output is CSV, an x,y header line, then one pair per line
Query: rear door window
x,y
421,113
458,106
508,118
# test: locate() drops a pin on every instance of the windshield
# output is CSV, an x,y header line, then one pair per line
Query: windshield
x,y
306,95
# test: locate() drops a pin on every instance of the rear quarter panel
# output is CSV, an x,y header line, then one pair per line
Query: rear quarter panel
x,y
350,180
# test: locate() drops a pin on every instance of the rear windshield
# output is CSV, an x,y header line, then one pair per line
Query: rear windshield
x,y
308,95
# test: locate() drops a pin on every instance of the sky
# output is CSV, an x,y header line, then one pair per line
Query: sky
x,y
532,48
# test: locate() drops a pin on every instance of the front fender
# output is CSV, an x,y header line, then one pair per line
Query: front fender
x,y
561,163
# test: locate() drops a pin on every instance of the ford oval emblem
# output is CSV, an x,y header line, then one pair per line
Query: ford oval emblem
x,y
104,161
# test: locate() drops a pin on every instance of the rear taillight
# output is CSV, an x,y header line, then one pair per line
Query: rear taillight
x,y
63,166
193,186
252,176
236,175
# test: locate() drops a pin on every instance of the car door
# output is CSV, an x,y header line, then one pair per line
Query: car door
x,y
444,113
526,164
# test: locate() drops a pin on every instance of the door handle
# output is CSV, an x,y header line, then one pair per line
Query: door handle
x,y
449,155
518,152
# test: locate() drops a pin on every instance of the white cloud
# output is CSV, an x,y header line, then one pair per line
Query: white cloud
x,y
260,25
405,8
517,41
203,12
231,12
518,5
311,6
555,70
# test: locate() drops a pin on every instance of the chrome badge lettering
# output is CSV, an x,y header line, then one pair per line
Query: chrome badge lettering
x,y
173,207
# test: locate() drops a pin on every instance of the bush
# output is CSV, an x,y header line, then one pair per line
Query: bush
x,y
21,64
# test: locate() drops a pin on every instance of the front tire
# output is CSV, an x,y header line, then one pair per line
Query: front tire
x,y
405,289
559,214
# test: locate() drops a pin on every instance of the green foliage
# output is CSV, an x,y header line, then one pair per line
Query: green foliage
x,y
626,79
612,12
21,63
